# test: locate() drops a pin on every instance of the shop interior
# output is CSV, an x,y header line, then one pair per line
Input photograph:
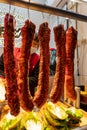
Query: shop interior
x,y
69,13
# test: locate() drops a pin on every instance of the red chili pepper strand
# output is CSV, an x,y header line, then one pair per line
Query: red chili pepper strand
x,y
59,78
71,41
9,65
41,94
24,94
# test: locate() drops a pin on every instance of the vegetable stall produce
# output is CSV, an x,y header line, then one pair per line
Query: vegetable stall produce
x,y
50,117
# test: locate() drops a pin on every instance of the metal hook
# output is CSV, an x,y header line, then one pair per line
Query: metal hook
x,y
43,16
57,20
9,11
13,11
66,22
71,23
9,8
28,12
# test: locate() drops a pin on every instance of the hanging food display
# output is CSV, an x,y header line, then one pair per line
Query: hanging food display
x,y
27,33
41,94
71,41
9,66
50,115
59,78
19,110
65,46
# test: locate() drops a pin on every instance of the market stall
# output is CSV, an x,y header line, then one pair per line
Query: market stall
x,y
46,111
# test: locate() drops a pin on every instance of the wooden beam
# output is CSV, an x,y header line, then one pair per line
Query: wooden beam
x,y
46,9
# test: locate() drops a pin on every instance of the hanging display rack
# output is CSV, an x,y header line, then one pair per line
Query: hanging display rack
x,y
46,9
